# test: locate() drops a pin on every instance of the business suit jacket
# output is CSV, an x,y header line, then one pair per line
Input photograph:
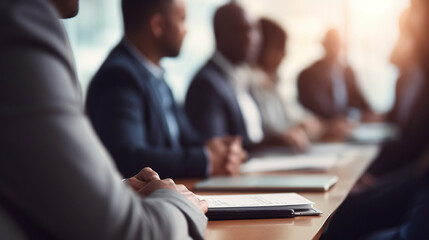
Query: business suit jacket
x,y
408,88
397,169
56,179
413,140
315,91
212,106
127,115
416,227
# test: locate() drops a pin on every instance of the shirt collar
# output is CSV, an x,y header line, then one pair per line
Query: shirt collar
x,y
222,62
238,76
155,70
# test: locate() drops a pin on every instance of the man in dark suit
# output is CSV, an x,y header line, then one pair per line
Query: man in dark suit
x,y
329,89
133,109
211,102
57,181
218,101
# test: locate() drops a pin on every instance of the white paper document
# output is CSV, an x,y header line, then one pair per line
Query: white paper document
x,y
292,200
331,149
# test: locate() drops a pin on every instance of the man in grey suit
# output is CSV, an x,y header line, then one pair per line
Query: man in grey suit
x,y
56,179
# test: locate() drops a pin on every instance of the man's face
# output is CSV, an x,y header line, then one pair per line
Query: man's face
x,y
332,45
242,34
274,55
175,28
66,8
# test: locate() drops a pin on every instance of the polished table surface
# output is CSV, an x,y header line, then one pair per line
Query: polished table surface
x,y
349,169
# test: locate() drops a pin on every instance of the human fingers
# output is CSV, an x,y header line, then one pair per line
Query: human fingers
x,y
147,174
154,185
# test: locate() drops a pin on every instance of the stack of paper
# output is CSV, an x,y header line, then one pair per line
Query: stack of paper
x,y
282,205
289,200
331,149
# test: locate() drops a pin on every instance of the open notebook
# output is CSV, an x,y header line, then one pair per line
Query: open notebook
x,y
320,183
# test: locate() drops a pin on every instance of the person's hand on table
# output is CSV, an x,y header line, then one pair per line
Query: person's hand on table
x,y
147,181
297,139
371,117
338,129
236,155
313,127
140,179
225,155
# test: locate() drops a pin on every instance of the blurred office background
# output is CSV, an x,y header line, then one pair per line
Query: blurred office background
x,y
370,28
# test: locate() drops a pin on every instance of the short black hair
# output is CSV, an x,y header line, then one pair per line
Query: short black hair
x,y
134,12
272,32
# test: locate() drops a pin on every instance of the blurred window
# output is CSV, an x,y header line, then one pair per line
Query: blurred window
x,y
370,28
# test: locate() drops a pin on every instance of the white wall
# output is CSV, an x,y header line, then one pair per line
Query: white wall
x,y
369,25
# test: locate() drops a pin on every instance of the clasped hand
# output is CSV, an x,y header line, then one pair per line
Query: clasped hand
x,y
147,181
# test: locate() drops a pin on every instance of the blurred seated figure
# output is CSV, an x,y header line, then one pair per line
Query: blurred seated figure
x,y
133,109
329,89
413,101
395,174
411,79
57,181
414,224
279,117
218,101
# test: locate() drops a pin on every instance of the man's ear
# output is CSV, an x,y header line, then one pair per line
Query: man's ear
x,y
157,24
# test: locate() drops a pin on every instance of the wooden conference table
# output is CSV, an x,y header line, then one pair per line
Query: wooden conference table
x,y
349,169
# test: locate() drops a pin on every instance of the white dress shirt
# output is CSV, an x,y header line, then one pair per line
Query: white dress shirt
x,y
239,79
278,113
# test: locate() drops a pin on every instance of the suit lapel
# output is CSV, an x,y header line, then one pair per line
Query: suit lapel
x,y
227,91
147,82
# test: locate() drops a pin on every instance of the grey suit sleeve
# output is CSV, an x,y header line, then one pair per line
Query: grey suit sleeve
x,y
52,166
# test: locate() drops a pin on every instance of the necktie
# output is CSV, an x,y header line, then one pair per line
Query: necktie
x,y
167,103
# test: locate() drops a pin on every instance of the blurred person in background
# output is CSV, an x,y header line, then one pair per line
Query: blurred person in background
x,y
394,189
278,118
133,109
329,89
218,101
56,179
282,116
411,79
414,134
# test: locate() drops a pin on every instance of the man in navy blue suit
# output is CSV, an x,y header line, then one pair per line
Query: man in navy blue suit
x,y
211,101
133,110
218,101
